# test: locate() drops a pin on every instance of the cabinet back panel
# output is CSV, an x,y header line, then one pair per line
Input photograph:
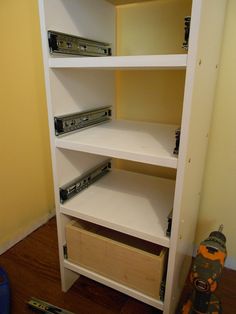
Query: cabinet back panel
x,y
85,18
75,90
151,170
75,164
151,96
155,27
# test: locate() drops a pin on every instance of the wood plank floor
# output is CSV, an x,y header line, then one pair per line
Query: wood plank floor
x,y
33,269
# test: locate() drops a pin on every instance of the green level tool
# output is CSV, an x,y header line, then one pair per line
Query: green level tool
x,y
44,307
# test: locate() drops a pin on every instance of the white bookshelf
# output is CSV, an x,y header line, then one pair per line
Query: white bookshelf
x,y
150,143
134,203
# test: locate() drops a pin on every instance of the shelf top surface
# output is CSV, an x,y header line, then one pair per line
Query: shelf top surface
x,y
149,143
177,61
128,202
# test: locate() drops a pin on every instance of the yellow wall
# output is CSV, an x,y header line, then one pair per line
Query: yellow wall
x,y
218,204
26,179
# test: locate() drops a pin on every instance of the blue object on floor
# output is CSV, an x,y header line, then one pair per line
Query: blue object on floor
x,y
4,292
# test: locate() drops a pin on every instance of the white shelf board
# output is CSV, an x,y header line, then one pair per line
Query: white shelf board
x,y
177,61
132,203
114,285
121,2
150,143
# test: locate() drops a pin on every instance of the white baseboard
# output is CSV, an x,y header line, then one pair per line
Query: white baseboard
x,y
229,263
24,233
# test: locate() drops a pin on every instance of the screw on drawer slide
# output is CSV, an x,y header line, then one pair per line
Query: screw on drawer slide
x,y
60,43
72,122
74,187
43,307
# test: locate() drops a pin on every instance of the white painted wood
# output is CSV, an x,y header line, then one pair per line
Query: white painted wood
x,y
86,18
149,143
121,2
114,285
60,16
138,141
128,202
178,61
71,90
203,57
67,277
75,164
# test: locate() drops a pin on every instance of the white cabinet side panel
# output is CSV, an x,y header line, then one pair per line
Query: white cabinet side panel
x,y
204,52
72,164
68,277
86,18
78,90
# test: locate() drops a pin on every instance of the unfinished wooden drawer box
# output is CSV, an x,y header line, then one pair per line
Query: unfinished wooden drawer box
x,y
130,261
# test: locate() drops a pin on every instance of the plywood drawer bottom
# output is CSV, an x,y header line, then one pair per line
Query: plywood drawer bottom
x,y
130,261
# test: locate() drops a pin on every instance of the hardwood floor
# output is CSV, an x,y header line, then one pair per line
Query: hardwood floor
x,y
33,269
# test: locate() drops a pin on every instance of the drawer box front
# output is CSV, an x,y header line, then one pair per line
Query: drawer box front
x,y
107,253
